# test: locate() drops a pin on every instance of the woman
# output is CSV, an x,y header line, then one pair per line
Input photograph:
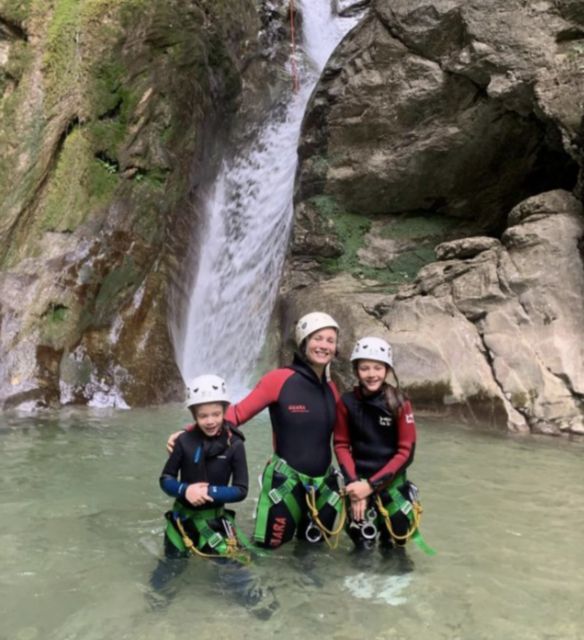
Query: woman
x,y
374,442
300,491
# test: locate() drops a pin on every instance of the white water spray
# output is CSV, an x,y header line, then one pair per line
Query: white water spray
x,y
249,217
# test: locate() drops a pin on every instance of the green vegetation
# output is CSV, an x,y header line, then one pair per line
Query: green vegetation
x,y
16,10
351,228
114,286
80,183
413,227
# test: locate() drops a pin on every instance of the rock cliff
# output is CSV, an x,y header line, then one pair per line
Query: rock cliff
x,y
452,131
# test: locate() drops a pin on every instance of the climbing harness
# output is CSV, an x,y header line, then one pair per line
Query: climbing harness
x,y
327,496
412,509
233,544
318,494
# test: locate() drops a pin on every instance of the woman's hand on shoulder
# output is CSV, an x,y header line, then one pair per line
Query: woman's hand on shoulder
x,y
171,440
197,493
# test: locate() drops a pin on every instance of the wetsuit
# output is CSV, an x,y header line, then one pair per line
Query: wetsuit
x,y
221,462
199,458
302,412
376,444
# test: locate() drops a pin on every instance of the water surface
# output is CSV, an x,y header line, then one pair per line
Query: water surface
x,y
81,530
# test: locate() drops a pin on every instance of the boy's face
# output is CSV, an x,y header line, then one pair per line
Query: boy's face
x,y
209,417
371,374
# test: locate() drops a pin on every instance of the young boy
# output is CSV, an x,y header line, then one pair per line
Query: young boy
x,y
206,470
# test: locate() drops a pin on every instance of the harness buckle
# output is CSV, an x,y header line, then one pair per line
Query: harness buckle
x,y
275,496
280,464
215,540
333,498
406,507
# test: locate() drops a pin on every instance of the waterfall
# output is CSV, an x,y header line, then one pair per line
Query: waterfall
x,y
249,215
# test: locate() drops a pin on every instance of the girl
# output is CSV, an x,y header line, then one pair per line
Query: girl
x,y
374,442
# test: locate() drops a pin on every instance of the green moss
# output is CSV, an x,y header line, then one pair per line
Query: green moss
x,y
63,48
57,313
414,227
115,285
16,10
351,229
79,184
58,325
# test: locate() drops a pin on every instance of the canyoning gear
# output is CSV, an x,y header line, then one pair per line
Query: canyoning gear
x,y
216,460
302,412
312,322
394,515
392,501
304,497
206,389
372,441
207,533
371,348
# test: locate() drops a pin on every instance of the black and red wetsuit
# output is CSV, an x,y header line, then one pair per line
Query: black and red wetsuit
x,y
370,441
373,443
302,412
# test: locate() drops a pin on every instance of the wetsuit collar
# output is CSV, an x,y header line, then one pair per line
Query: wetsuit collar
x,y
378,398
300,365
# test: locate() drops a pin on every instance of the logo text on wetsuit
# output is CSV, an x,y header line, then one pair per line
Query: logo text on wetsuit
x,y
385,421
297,408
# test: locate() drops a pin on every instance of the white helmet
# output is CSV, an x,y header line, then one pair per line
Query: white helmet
x,y
208,388
370,348
312,322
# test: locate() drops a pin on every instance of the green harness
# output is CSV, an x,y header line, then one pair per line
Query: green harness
x,y
398,503
199,519
284,493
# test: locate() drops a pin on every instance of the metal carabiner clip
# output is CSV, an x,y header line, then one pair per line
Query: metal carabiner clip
x,y
368,530
313,533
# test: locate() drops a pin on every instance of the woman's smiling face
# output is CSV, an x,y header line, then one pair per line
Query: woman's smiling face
x,y
321,347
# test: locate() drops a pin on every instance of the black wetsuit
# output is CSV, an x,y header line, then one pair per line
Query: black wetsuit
x,y
198,458
302,412
373,442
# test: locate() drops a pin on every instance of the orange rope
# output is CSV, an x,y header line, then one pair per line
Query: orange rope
x,y
295,80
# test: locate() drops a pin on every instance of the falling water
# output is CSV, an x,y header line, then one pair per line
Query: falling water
x,y
249,216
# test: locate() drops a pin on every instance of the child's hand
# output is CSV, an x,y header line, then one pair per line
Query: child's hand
x,y
358,508
197,494
171,440
359,490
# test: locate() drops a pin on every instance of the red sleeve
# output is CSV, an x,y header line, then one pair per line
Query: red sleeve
x,y
342,443
406,442
335,391
266,392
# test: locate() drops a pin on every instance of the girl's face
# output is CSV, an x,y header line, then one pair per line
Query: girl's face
x,y
371,374
321,347
209,417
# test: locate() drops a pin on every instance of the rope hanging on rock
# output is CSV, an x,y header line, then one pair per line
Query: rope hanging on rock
x,y
295,80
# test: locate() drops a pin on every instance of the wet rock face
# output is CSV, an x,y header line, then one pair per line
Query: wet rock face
x,y
430,106
108,115
432,121
493,330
